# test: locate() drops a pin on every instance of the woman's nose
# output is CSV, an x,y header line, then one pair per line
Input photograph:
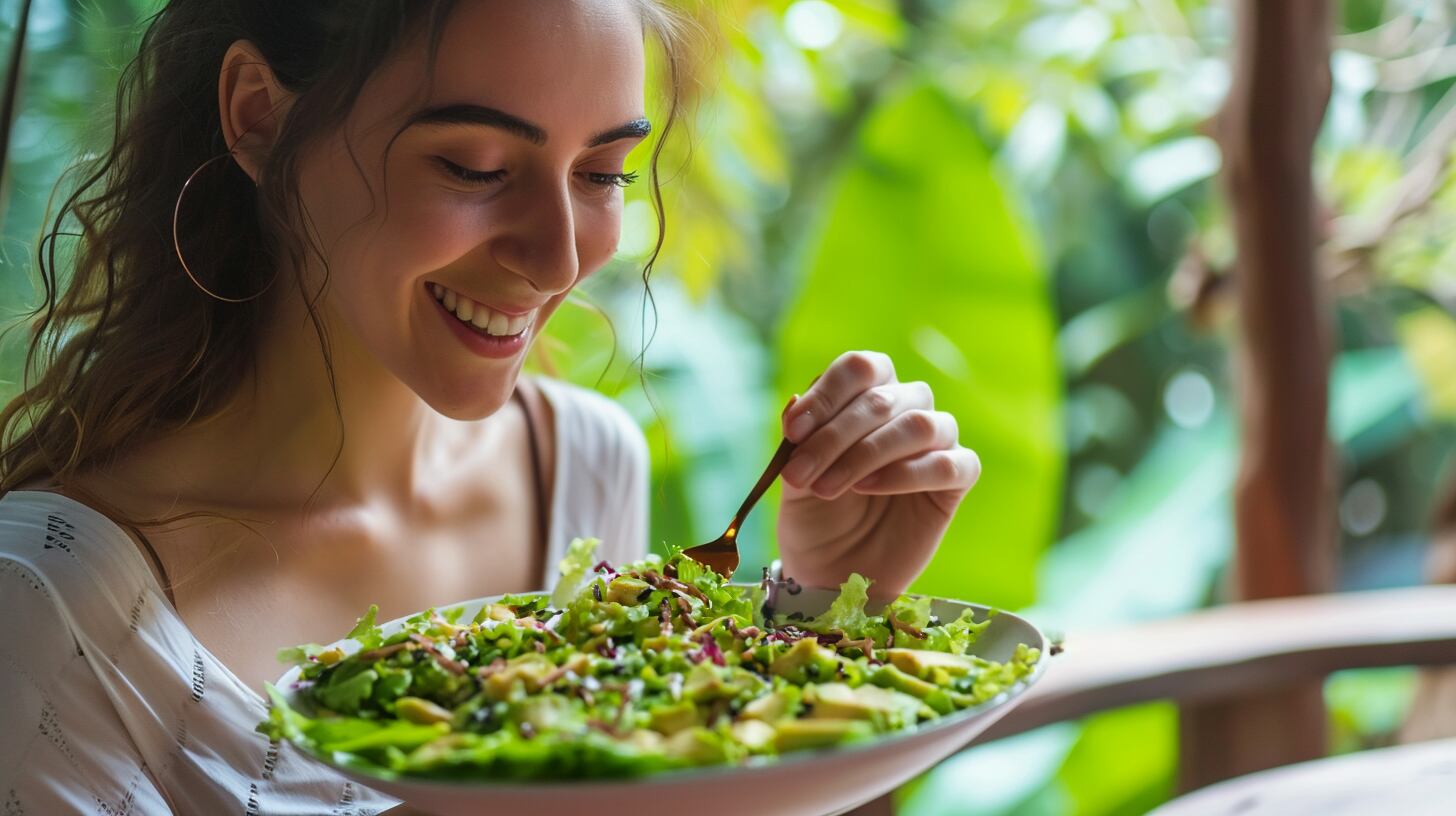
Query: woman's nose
x,y
538,240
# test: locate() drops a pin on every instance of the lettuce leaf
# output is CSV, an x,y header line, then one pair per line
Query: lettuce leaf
x,y
346,689
914,611
283,722
301,654
847,613
957,636
574,568
365,631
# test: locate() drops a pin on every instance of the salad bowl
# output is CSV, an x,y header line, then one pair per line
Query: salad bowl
x,y
805,781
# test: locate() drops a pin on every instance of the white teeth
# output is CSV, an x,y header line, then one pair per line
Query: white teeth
x,y
482,317
498,324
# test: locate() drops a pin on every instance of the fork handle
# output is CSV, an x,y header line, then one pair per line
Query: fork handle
x,y
776,464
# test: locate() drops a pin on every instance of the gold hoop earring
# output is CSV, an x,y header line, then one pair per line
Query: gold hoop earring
x,y
177,245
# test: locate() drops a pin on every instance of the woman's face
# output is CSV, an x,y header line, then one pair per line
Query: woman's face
x,y
502,192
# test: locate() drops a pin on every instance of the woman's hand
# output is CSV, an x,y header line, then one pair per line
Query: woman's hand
x,y
875,480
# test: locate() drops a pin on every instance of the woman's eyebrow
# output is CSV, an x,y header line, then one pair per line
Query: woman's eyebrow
x,y
635,129
468,114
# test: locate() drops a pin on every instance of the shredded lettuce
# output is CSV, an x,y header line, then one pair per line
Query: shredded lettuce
x,y
283,722
911,610
848,610
574,568
957,636
848,615
365,631
303,653
344,692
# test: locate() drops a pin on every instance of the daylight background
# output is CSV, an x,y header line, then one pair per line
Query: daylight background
x,y
1017,199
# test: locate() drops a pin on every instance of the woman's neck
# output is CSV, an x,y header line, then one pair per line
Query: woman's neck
x,y
269,449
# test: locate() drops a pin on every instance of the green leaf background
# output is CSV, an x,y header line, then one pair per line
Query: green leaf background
x,y
921,256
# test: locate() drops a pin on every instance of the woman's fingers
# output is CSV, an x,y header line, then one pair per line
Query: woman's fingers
x,y
908,435
941,470
847,377
870,411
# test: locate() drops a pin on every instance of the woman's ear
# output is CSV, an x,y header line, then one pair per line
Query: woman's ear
x,y
252,105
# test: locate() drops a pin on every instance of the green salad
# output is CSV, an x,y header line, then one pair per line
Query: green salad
x,y
619,672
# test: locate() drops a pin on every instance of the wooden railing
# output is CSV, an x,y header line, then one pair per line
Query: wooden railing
x,y
1235,653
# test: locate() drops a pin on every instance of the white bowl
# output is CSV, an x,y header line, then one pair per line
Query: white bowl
x,y
804,783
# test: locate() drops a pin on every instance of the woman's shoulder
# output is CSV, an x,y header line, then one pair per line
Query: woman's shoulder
x,y
74,548
126,704
59,556
592,428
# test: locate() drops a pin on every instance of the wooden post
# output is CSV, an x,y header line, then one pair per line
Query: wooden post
x,y
9,97
1284,494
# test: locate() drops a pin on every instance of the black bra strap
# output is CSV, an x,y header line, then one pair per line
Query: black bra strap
x,y
543,512
161,570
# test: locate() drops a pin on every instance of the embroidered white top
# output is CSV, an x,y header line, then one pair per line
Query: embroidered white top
x,y
110,704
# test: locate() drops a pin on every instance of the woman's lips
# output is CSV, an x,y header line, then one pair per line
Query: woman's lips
x,y
478,339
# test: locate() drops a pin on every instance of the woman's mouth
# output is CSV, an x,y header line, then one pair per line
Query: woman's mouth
x,y
485,331
480,316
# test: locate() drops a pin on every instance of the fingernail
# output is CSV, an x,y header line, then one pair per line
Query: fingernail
x,y
799,469
800,427
792,400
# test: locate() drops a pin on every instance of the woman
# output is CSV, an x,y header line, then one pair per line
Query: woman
x,y
310,268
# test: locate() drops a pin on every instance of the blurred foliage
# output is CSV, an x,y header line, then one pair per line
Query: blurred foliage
x,y
1015,198
1367,706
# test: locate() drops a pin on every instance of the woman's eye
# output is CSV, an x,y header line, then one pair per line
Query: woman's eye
x,y
612,179
482,177
469,176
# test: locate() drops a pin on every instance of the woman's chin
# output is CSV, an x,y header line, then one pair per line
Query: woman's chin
x,y
477,402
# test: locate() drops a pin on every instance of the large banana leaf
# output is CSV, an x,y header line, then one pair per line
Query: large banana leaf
x,y
921,256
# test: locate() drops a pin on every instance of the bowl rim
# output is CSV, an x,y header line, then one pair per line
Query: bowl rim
x,y
369,772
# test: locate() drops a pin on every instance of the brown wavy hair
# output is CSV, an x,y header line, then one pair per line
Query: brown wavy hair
x,y
127,349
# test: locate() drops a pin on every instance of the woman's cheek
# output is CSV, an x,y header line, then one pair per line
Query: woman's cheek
x,y
598,234
434,231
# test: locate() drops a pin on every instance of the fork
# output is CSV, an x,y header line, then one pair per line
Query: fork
x,y
721,554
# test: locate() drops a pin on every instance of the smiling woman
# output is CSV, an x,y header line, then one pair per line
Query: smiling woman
x,y
375,206
309,268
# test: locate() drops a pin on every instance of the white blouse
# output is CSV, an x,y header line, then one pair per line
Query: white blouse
x,y
110,705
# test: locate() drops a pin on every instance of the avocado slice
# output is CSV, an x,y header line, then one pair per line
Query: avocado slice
x,y
791,735
704,682
804,661
420,711
696,745
921,662
529,669
547,713
886,708
836,701
624,590
890,677
670,719
770,707
755,735
942,700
